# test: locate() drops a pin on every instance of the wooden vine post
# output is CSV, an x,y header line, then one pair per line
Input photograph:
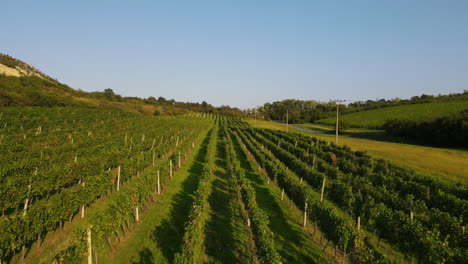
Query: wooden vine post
x,y
323,189
26,201
152,145
118,178
358,223
137,212
179,159
90,248
305,214
282,195
83,206
159,184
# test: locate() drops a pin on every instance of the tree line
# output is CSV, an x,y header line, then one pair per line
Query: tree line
x,y
449,131
309,111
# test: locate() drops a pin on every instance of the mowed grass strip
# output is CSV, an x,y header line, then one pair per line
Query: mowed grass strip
x,y
439,162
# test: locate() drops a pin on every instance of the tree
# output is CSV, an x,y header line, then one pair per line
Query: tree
x,y
109,93
342,125
151,100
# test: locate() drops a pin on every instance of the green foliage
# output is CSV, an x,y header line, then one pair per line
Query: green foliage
x,y
298,111
376,118
40,146
9,61
193,248
388,197
451,130
263,235
343,125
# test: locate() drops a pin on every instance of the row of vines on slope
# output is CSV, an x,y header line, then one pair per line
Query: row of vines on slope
x,y
433,237
336,228
260,223
124,160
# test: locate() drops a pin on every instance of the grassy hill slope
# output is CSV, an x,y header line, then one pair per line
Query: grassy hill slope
x,y
417,112
23,85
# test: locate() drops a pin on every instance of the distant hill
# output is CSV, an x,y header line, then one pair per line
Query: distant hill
x,y
23,85
376,118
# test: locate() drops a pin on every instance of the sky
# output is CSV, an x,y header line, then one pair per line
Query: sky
x,y
245,53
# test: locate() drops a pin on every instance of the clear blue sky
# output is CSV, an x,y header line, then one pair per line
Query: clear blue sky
x,y
245,53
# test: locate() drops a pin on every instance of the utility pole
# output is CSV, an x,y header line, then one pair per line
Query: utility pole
x,y
287,120
336,136
336,128
255,114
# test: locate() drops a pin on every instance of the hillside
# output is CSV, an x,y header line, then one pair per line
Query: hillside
x,y
23,85
10,66
376,118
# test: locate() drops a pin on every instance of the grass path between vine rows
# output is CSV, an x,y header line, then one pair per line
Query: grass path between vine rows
x,y
293,243
159,235
228,238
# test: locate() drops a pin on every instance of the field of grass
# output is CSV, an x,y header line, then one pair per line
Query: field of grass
x,y
418,112
366,133
439,162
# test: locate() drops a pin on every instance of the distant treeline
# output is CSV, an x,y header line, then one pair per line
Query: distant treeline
x,y
202,107
35,91
300,111
449,131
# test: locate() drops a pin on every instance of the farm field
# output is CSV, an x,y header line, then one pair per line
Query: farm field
x,y
438,162
417,112
209,189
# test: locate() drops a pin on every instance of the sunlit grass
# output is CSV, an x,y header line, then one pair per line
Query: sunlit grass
x,y
448,163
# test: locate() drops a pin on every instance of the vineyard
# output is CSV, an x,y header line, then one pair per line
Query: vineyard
x,y
103,186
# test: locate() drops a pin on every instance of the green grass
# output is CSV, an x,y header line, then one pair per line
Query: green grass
x,y
375,118
366,133
438,162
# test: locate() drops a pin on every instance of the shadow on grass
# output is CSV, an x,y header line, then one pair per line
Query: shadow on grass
x,y
145,256
169,234
293,239
368,134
